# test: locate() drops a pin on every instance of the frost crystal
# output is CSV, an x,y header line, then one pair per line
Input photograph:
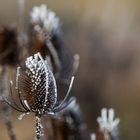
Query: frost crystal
x,y
41,15
43,92
107,121
36,88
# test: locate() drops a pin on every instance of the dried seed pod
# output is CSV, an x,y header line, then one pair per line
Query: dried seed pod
x,y
36,88
41,94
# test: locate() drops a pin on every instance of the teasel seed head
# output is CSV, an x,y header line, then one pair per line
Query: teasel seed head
x,y
36,88
44,18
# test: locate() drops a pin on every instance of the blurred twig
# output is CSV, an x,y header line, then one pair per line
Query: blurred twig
x,y
5,109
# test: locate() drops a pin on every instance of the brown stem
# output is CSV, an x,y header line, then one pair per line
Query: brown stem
x,y
38,128
55,56
6,113
6,110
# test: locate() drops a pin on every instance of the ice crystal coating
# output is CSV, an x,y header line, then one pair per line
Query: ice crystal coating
x,y
38,85
41,15
107,123
36,89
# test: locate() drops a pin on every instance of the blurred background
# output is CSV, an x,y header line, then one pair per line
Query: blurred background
x,y
106,35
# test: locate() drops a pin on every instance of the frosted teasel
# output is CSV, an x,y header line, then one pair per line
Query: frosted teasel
x,y
108,125
46,27
36,88
45,19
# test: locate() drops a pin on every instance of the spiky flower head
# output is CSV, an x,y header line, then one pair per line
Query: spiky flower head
x,y
38,85
36,88
42,17
107,121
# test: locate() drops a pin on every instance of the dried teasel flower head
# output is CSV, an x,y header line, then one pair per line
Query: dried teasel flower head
x,y
107,124
36,88
45,19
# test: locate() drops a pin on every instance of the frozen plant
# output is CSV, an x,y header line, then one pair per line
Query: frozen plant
x,y
107,124
36,88
43,17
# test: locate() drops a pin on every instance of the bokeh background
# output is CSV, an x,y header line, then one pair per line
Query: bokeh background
x,y
106,35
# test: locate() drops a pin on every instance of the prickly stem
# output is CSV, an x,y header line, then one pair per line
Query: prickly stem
x,y
38,128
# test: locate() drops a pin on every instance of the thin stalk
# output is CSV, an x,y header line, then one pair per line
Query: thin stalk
x,y
21,32
55,57
21,11
38,129
6,113
6,110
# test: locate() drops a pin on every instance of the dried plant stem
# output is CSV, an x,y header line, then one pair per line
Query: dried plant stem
x,y
38,128
6,110
6,113
76,58
55,56
21,6
22,35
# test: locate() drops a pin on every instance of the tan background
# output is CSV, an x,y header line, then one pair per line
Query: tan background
x,y
106,34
